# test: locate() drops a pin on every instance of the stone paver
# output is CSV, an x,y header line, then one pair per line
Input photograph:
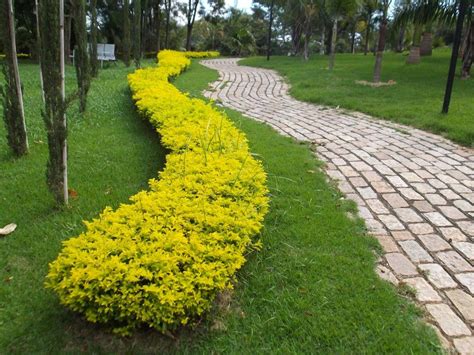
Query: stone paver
x,y
414,189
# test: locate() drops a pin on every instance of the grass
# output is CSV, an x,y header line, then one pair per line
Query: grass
x,y
415,100
312,289
112,154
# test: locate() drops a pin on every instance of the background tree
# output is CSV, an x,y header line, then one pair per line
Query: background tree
x,y
190,10
126,32
468,51
94,63
157,23
83,71
168,9
54,113
13,110
384,6
368,9
337,9
137,33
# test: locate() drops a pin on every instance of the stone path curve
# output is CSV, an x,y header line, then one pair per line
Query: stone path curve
x,y
414,189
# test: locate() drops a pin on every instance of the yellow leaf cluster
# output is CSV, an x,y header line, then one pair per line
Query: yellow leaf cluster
x,y
161,259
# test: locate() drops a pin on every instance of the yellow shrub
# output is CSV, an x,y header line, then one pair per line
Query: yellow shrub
x,y
161,259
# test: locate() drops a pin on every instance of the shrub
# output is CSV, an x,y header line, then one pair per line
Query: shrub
x,y
161,259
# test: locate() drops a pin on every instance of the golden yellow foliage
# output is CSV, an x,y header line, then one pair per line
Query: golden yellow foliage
x,y
161,259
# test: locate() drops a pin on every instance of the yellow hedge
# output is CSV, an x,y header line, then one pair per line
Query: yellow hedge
x,y
161,259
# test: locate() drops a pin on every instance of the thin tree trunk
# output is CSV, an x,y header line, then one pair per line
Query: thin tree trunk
x,y
401,39
54,113
269,38
93,57
83,70
137,30
38,46
353,32
13,110
307,39
188,37
367,35
296,38
323,41
143,28
158,26
67,38
126,32
63,97
380,49
192,10
468,54
168,15
333,45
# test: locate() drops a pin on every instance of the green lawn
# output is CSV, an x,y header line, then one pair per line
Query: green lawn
x,y
312,289
415,100
112,152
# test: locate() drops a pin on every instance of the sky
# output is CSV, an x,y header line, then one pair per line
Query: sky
x,y
241,4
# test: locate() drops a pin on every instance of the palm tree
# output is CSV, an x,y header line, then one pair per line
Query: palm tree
x,y
422,13
337,9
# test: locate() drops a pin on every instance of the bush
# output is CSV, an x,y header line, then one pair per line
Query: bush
x,y
161,259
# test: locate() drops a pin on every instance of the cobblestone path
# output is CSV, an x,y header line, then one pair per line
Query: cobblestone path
x,y
415,190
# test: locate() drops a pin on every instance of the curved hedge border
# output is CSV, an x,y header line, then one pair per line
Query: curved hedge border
x,y
161,259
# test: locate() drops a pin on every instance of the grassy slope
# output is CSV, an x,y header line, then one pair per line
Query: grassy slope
x,y
112,155
311,289
415,100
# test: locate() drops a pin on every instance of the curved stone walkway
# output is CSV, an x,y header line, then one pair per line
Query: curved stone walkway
x,y
415,190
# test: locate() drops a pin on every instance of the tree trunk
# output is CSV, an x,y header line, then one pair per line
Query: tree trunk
x,y
307,38
269,38
323,41
414,56
143,29
167,30
468,54
83,70
13,110
157,19
380,50
332,55
192,10
67,38
126,32
38,46
62,65
137,31
296,38
353,32
93,57
426,46
367,36
401,39
189,30
54,113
